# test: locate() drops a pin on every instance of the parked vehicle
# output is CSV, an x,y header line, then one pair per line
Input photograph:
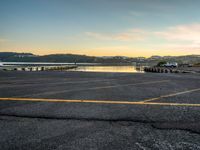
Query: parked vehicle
x,y
171,64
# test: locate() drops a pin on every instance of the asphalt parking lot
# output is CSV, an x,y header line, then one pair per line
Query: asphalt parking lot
x,y
88,110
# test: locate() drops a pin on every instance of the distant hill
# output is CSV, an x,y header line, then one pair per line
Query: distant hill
x,y
28,57
12,56
72,58
68,58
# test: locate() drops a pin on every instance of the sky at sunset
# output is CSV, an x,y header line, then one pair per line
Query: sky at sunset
x,y
101,27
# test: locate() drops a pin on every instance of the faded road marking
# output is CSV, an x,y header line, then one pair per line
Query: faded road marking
x,y
97,102
171,95
95,88
56,83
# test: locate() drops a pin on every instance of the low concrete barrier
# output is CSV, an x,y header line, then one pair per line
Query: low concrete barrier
x,y
161,70
40,68
168,70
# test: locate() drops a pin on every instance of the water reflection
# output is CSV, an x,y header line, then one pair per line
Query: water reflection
x,y
108,69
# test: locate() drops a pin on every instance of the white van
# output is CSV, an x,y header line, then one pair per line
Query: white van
x,y
1,64
171,64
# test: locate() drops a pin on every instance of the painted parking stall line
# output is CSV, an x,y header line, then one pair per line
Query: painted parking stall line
x,y
95,88
99,102
171,95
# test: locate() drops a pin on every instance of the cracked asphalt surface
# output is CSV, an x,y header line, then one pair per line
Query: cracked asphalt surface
x,y
71,125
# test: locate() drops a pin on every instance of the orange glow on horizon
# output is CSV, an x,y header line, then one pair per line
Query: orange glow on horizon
x,y
128,53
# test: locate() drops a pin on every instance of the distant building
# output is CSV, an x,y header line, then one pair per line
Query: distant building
x,y
106,57
24,55
141,58
167,57
155,57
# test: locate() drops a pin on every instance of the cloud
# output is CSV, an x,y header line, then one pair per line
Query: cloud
x,y
181,33
180,38
137,14
3,40
130,35
111,48
178,34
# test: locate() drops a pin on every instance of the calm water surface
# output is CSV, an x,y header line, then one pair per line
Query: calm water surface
x,y
108,69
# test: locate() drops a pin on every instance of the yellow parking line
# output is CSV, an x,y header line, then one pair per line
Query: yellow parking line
x,y
173,104
171,95
98,102
66,100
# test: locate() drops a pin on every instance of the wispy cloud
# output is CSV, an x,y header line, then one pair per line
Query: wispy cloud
x,y
137,14
190,33
111,48
3,40
180,38
130,35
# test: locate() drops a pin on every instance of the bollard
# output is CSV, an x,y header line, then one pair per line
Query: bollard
x,y
176,71
19,69
42,69
157,70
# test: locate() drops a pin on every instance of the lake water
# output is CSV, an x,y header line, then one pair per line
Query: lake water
x,y
130,69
